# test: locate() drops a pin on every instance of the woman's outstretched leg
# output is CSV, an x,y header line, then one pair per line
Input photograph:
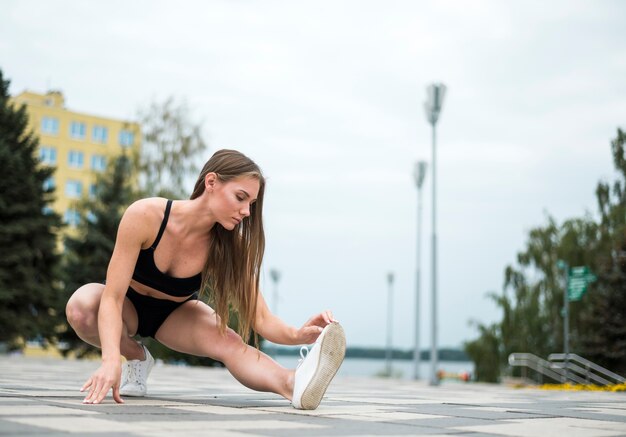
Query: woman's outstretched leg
x,y
193,329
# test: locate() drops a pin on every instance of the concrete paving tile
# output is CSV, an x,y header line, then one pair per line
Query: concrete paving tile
x,y
481,434
451,422
550,427
492,413
576,414
230,425
349,428
41,410
193,433
51,393
16,401
603,410
617,404
338,426
495,409
384,416
220,410
329,409
444,410
382,400
8,428
150,402
83,425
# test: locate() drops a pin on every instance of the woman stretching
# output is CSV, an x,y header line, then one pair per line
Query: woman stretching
x,y
165,252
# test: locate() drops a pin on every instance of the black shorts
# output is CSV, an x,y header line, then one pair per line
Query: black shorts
x,y
151,312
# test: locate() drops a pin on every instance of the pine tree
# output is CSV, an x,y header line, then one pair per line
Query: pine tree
x,y
29,285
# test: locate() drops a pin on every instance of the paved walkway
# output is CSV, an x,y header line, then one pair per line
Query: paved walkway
x,y
40,397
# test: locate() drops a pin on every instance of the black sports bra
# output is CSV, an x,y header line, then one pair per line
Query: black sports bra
x,y
147,273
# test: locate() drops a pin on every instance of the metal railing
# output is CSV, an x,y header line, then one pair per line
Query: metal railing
x,y
566,368
591,372
539,365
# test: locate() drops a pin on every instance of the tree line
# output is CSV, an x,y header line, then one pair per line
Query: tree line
x,y
443,354
532,298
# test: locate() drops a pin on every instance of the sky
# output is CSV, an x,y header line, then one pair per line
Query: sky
x,y
327,97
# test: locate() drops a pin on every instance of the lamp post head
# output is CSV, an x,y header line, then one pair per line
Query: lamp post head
x,y
419,173
390,277
275,275
434,101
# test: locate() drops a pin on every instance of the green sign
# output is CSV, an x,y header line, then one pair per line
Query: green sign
x,y
578,280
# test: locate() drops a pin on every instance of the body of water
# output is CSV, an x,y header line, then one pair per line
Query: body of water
x,y
400,368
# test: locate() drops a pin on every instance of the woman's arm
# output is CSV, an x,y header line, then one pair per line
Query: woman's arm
x,y
130,237
270,327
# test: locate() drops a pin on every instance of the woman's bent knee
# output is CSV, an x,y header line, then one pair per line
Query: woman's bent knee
x,y
82,307
79,318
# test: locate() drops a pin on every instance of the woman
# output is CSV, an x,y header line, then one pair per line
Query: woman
x,y
164,253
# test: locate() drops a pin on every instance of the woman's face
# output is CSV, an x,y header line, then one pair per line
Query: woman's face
x,y
231,201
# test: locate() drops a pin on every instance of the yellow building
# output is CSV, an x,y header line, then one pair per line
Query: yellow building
x,y
77,144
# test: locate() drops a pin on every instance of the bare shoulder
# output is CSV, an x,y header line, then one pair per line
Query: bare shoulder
x,y
146,209
142,218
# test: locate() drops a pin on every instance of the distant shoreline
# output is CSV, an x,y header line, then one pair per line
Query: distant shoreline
x,y
445,354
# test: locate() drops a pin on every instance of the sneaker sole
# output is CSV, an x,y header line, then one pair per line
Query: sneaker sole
x,y
332,352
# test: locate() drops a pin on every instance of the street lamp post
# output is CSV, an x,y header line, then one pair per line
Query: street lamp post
x,y
419,175
275,275
388,354
433,104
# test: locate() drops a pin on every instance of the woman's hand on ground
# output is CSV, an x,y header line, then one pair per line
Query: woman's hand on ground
x,y
98,385
312,329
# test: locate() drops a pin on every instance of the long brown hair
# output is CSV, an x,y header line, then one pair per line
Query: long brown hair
x,y
232,270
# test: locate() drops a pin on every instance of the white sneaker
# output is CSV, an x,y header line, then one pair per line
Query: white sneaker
x,y
318,367
135,375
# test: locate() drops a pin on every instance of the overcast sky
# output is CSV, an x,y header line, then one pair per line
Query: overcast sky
x,y
327,97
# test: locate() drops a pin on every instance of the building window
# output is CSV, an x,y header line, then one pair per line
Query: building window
x,y
91,217
98,162
46,210
93,190
72,217
73,188
127,138
50,125
48,155
99,134
78,130
75,159
48,184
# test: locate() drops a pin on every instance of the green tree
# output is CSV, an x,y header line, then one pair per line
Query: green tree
x,y
29,287
533,295
171,149
485,353
603,330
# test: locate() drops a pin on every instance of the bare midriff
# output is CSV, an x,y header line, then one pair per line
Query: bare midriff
x,y
156,294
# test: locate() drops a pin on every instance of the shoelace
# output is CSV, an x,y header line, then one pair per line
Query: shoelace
x,y
303,354
133,371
